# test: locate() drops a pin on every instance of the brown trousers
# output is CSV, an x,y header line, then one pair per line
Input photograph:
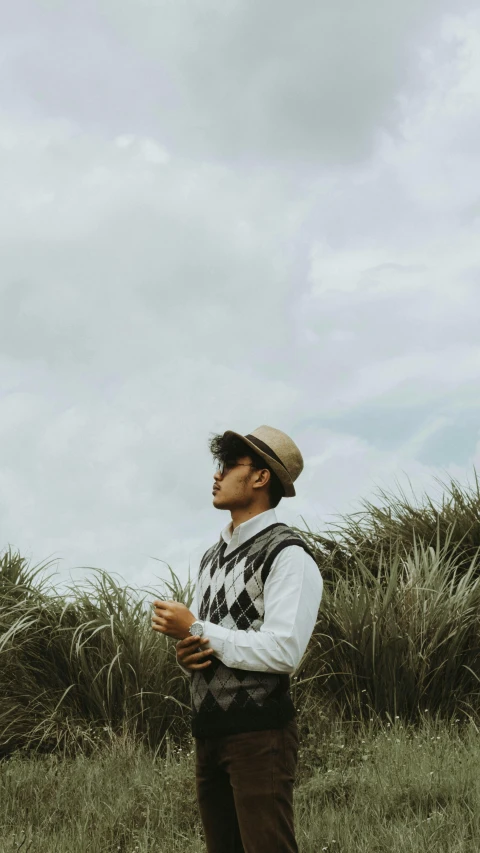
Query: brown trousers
x,y
244,788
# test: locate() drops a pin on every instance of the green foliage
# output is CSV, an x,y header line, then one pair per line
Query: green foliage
x,y
453,524
403,643
78,670
397,636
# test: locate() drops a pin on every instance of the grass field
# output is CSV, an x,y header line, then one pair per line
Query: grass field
x,y
359,788
95,746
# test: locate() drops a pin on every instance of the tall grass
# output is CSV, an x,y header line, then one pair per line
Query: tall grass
x,y
401,643
77,669
451,523
397,636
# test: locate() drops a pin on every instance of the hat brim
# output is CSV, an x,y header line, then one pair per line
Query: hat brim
x,y
276,467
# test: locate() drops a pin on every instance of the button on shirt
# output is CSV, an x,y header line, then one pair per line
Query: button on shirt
x,y
292,596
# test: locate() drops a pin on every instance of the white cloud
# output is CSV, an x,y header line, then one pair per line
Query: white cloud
x,y
268,230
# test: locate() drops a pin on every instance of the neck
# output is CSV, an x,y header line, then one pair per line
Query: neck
x,y
245,514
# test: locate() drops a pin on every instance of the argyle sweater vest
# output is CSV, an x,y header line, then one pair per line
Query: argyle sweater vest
x,y
227,700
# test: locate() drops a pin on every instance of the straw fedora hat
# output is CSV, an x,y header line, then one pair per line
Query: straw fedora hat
x,y
279,451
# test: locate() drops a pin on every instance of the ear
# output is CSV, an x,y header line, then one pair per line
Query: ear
x,y
262,478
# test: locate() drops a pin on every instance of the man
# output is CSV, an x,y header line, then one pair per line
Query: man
x,y
257,597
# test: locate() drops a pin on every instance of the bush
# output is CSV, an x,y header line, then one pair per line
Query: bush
x,y
397,635
398,523
76,671
400,643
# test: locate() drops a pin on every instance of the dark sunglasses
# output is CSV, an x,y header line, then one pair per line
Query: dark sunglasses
x,y
224,467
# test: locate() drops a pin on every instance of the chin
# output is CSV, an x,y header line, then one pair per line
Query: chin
x,y
217,503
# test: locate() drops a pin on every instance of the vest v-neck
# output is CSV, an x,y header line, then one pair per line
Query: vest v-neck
x,y
226,558
247,529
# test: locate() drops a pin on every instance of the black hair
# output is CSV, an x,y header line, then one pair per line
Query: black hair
x,y
229,449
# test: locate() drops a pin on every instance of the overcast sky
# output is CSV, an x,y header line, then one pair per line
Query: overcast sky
x,y
222,214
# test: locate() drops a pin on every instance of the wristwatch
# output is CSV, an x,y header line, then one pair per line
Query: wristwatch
x,y
196,629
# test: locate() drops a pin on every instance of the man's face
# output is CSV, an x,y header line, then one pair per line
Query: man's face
x,y
233,489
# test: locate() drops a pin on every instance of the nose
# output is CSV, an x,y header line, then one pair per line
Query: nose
x,y
217,475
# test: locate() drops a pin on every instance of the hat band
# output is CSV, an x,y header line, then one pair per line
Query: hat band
x,y
266,449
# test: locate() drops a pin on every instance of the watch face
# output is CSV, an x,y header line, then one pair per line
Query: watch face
x,y
196,629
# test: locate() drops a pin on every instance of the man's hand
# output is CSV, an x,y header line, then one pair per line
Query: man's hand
x,y
188,654
172,618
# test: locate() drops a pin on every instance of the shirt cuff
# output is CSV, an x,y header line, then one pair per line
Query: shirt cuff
x,y
216,635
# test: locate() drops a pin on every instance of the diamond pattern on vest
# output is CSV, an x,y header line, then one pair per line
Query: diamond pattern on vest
x,y
238,588
231,594
227,686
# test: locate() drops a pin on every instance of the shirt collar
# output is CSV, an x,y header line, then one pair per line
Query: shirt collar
x,y
248,528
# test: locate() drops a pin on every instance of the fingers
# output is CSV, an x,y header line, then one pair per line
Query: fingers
x,y
190,641
197,665
192,658
196,653
159,623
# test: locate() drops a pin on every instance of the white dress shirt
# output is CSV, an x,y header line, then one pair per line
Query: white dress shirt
x,y
292,596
